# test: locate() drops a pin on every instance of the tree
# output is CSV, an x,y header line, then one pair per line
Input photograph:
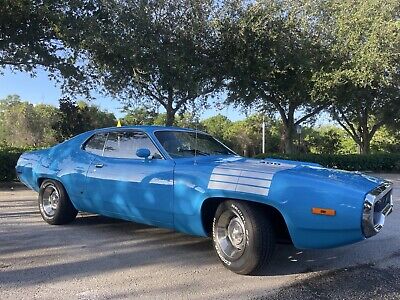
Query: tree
x,y
154,52
386,140
46,117
23,124
270,56
147,116
327,139
93,117
139,116
363,38
44,34
218,127
70,122
78,117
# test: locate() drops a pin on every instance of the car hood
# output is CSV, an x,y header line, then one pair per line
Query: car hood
x,y
354,179
269,169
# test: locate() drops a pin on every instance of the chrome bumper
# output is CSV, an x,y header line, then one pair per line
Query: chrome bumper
x,y
377,205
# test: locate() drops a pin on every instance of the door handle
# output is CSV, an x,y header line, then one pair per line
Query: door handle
x,y
99,165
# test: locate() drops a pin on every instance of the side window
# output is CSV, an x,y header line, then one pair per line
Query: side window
x,y
96,144
124,144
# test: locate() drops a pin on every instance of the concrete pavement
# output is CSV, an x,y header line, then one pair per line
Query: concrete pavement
x,y
100,258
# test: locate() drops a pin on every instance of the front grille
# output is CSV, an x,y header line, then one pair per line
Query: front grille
x,y
382,203
377,205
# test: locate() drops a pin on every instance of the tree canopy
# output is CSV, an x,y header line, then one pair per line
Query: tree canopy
x,y
270,58
289,59
23,124
153,51
45,35
363,38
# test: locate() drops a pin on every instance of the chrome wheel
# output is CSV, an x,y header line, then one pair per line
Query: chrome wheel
x,y
50,200
231,234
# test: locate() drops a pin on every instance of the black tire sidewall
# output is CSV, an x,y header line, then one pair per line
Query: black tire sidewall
x,y
65,212
251,258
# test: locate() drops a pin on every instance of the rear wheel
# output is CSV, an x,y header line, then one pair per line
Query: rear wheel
x,y
243,237
54,204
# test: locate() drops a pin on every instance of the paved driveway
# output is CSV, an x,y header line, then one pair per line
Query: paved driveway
x,y
96,258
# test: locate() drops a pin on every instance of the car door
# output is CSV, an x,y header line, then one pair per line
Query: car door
x,y
74,169
122,185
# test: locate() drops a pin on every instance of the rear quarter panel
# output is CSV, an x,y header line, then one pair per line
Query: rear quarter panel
x,y
60,163
27,167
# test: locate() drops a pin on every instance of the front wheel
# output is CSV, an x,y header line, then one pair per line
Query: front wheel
x,y
243,237
54,204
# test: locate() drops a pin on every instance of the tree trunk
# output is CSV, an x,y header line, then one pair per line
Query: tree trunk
x,y
288,122
288,138
365,145
170,110
170,118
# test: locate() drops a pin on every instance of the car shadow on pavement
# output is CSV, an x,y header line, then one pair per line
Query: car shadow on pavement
x,y
130,245
93,244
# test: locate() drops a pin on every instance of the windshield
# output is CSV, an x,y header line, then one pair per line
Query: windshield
x,y
180,144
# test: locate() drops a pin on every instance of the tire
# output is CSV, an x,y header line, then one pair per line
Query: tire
x,y
54,204
243,237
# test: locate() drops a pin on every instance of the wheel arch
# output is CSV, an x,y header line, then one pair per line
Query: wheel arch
x,y
41,179
210,205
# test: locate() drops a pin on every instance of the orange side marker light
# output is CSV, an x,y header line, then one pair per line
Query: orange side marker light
x,y
323,211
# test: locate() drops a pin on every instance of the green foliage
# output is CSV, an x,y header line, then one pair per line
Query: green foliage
x,y
23,124
155,52
385,141
146,116
79,117
363,80
140,116
218,127
8,161
352,162
245,136
326,139
44,34
269,56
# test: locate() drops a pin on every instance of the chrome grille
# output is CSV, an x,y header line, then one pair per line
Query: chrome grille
x,y
382,203
377,205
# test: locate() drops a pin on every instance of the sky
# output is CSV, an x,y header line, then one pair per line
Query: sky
x,y
41,89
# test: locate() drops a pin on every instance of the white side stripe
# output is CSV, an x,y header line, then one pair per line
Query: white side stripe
x,y
257,175
226,171
252,189
255,182
222,185
226,178
254,178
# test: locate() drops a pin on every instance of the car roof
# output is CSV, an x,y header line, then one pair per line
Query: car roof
x,y
149,128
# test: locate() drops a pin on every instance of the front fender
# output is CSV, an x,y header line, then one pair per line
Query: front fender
x,y
191,192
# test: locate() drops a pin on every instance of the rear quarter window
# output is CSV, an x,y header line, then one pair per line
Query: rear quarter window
x,y
96,143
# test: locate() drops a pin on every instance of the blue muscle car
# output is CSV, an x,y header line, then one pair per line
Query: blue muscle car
x,y
186,180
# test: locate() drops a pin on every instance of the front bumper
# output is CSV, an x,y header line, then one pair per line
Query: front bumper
x,y
378,204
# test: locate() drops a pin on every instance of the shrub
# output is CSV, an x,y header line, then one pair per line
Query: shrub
x,y
382,162
8,160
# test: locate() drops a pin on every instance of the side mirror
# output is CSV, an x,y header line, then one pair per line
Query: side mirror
x,y
143,153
